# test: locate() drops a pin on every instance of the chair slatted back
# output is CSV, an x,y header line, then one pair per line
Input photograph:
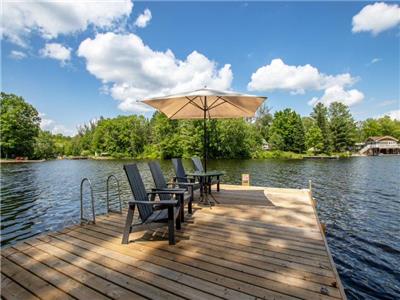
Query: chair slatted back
x,y
179,170
197,164
158,178
138,190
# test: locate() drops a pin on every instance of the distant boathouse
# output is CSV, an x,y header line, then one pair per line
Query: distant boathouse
x,y
378,145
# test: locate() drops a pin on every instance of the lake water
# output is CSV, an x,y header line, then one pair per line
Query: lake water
x,y
358,199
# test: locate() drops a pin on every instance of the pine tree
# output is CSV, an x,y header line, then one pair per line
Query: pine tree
x,y
320,115
342,127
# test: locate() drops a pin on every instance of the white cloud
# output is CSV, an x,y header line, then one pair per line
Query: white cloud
x,y
56,51
14,54
54,127
297,79
143,19
132,71
375,60
52,18
393,114
376,18
337,93
300,79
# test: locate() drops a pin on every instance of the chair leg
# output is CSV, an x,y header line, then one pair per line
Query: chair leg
x,y
217,183
128,224
178,223
190,199
171,225
182,208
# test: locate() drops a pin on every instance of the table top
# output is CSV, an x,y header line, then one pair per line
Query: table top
x,y
205,174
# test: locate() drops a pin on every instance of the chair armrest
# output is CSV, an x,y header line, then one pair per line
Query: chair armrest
x,y
185,183
166,192
171,190
166,202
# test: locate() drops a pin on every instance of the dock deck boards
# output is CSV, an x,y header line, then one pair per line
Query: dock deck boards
x,y
257,243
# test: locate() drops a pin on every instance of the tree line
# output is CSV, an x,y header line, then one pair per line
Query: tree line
x,y
326,130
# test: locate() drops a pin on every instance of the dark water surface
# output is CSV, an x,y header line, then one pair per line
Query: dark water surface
x,y
358,199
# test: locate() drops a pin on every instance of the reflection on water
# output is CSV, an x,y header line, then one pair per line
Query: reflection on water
x,y
358,199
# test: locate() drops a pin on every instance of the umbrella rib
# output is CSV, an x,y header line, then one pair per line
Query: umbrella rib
x,y
211,106
237,106
194,103
190,102
216,105
202,103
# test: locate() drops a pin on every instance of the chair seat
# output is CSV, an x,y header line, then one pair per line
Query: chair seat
x,y
161,216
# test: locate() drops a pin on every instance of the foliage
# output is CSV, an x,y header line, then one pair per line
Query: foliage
x,y
314,139
44,146
378,127
19,123
320,116
277,154
263,121
342,127
287,131
325,131
125,136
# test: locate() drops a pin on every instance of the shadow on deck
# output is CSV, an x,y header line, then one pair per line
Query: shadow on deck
x,y
258,243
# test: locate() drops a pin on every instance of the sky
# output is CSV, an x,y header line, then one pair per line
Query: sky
x,y
78,61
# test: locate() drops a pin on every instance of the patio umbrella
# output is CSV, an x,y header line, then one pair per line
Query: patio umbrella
x,y
206,104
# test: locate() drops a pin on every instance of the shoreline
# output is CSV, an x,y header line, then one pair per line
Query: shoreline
x,y
13,161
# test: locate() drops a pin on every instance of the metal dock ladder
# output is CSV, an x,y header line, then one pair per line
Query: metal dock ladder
x,y
83,219
109,208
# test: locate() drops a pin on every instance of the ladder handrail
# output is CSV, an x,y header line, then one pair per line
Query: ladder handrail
x,y
92,200
119,193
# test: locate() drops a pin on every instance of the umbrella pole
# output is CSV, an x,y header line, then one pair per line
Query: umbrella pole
x,y
205,133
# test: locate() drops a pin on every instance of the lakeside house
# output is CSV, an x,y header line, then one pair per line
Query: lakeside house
x,y
379,145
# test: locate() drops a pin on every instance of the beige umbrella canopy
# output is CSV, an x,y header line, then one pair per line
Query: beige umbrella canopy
x,y
207,104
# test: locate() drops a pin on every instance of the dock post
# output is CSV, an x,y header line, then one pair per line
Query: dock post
x,y
314,202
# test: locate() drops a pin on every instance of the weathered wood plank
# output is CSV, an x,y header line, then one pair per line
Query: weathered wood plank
x,y
170,262
229,269
34,284
257,243
11,290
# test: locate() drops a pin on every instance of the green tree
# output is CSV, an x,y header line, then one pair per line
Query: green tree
x,y
263,121
62,144
320,116
236,139
44,146
308,122
370,127
388,126
165,136
342,127
19,126
124,136
314,139
287,128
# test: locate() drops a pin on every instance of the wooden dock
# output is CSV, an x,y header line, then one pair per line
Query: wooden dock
x,y
263,243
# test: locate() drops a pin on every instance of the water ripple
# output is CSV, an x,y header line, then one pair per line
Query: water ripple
x,y
358,199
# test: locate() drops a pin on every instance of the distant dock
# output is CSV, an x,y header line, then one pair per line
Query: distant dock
x,y
258,243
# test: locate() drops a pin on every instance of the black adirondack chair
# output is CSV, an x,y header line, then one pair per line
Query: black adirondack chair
x,y
185,181
167,210
172,187
199,167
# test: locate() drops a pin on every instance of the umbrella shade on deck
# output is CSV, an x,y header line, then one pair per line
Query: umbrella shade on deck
x,y
207,104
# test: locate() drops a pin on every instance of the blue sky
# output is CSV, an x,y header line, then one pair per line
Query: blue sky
x,y
98,62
